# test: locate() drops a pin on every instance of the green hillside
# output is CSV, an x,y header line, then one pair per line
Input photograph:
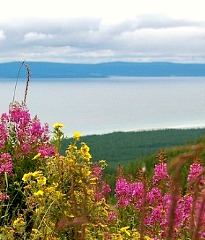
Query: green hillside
x,y
124,147
134,150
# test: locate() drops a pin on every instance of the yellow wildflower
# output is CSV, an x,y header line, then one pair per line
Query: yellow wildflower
x,y
135,235
147,238
125,230
19,225
39,193
37,174
85,151
58,125
86,171
76,135
34,230
39,210
41,180
18,222
37,156
93,180
26,177
103,164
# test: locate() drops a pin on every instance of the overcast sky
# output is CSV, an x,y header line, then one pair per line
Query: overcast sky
x,y
90,31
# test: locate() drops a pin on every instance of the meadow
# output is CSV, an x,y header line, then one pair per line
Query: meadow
x,y
49,194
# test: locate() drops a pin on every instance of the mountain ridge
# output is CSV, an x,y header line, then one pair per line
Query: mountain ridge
x,y
101,70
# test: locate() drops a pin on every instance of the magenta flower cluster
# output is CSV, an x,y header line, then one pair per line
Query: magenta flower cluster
x,y
160,173
195,170
102,188
5,163
156,200
22,136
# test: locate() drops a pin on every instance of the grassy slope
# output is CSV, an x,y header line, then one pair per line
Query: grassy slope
x,y
133,150
124,147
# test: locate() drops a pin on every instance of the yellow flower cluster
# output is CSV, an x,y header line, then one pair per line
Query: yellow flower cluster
x,y
58,125
19,225
39,193
85,151
41,180
125,230
76,135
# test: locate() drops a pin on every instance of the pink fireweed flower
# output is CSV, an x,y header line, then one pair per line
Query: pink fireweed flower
x,y
160,173
106,188
123,202
46,150
96,173
194,171
121,187
102,192
5,163
135,189
3,196
25,136
19,115
3,134
112,216
154,196
155,217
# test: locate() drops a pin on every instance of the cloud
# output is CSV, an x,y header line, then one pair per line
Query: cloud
x,y
144,38
2,35
35,36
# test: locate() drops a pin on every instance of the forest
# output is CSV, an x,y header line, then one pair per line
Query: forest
x,y
125,147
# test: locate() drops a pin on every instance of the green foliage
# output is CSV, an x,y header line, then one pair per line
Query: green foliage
x,y
123,147
133,150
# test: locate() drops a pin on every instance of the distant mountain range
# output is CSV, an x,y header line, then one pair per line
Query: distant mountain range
x,y
75,70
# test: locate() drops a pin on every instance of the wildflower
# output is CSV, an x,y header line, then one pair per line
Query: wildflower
x,y
18,221
41,180
5,163
160,173
147,238
121,187
34,230
112,216
19,224
36,173
106,188
136,235
103,164
125,230
97,173
195,170
26,177
93,180
58,125
76,135
3,196
85,152
39,193
37,156
86,172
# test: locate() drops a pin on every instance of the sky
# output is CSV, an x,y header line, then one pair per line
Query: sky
x,y
92,31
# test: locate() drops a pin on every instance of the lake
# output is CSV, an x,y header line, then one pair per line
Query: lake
x,y
104,105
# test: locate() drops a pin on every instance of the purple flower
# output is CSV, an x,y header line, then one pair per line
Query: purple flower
x,y
112,216
160,173
121,187
96,172
123,202
154,196
195,170
3,196
5,163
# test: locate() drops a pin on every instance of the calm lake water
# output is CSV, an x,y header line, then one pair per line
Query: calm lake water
x,y
96,106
